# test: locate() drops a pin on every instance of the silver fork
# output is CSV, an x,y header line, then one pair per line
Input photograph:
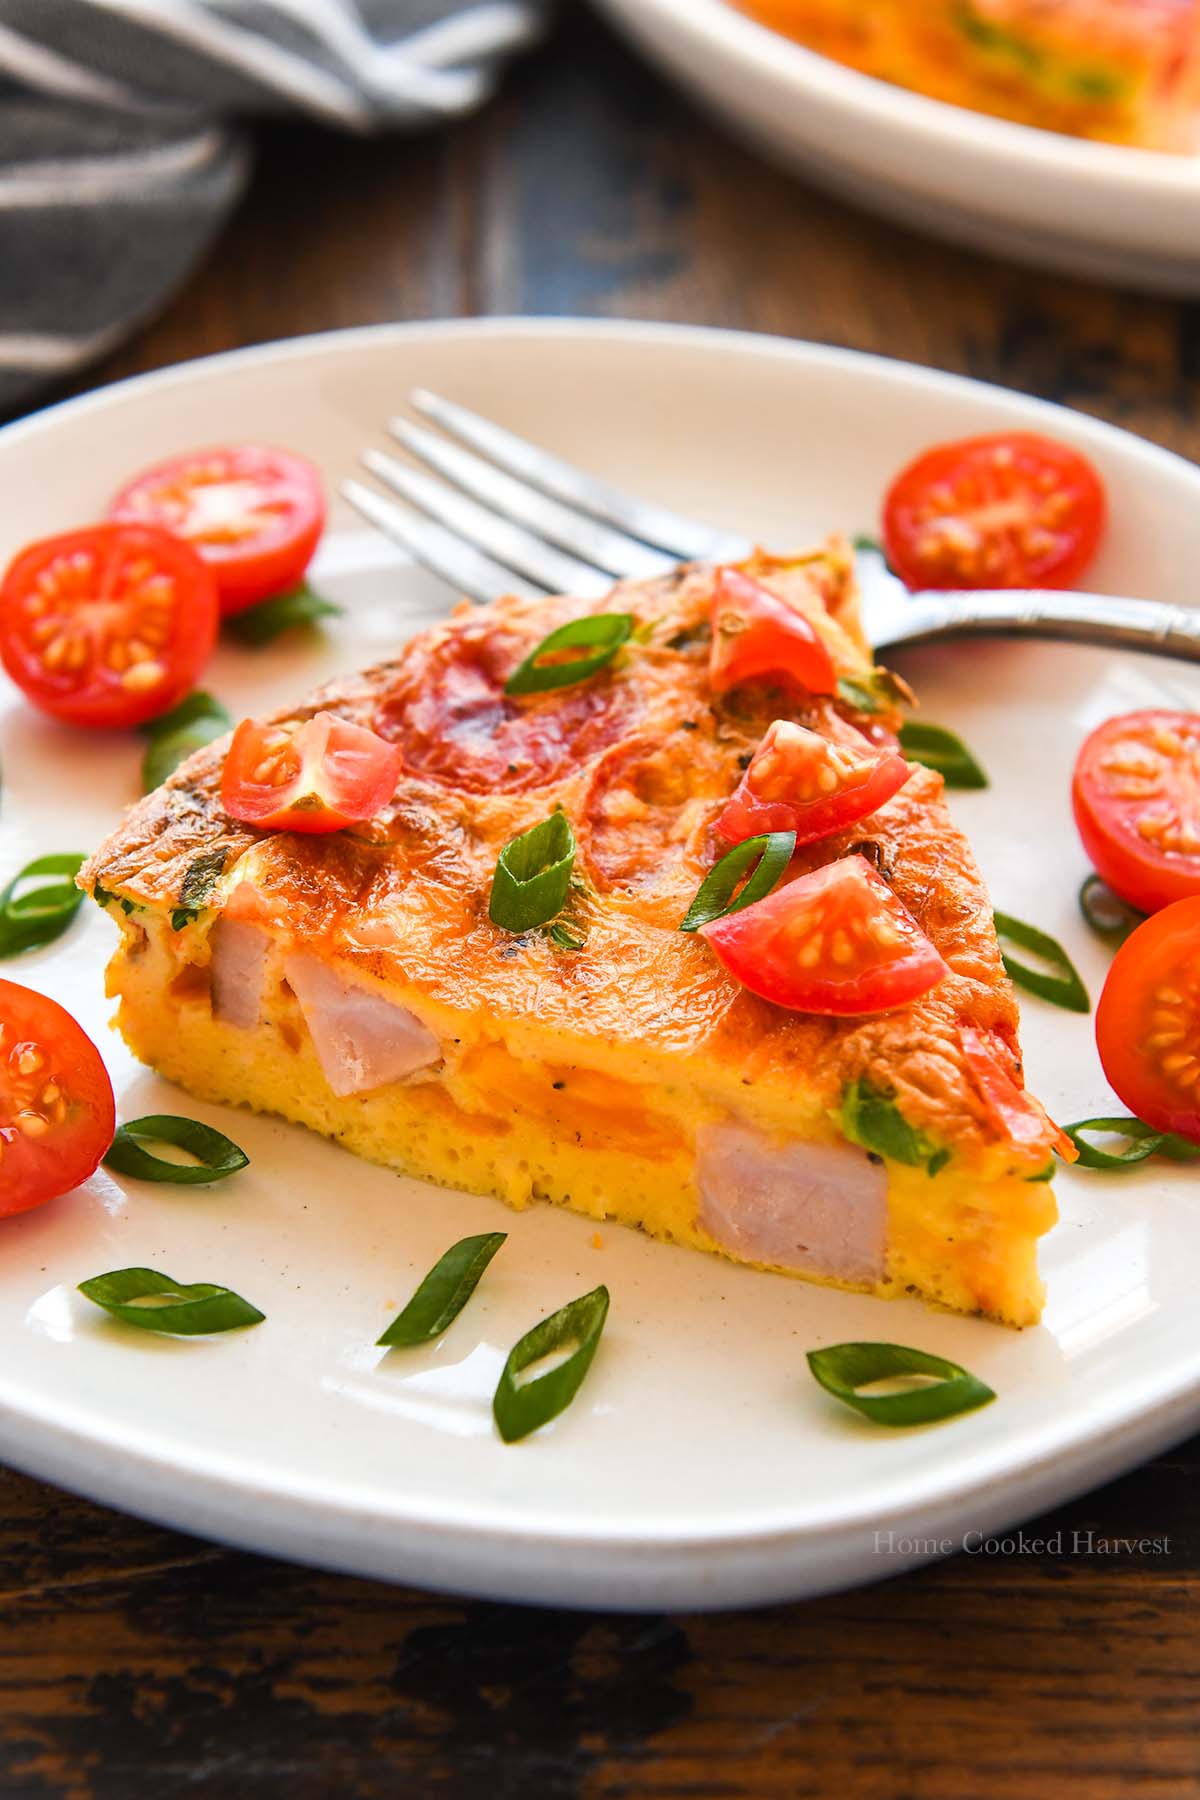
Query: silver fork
x,y
498,516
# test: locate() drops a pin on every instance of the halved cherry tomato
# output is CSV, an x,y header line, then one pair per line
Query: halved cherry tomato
x,y
322,776
109,625
1136,795
755,635
1011,510
255,515
57,1115
1148,1021
1013,1108
834,941
799,781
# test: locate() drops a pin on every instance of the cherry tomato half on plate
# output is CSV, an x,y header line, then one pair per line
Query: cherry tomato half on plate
x,y
1136,795
109,625
255,515
57,1115
758,636
1012,510
322,776
799,781
834,941
1148,1021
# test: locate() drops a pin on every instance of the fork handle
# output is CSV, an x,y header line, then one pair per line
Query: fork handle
x,y
1047,613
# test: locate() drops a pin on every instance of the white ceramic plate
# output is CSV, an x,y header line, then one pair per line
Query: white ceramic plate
x,y
700,1465
1098,210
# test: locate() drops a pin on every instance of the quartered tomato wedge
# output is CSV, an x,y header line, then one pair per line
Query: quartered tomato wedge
x,y
1014,1110
1148,1021
756,636
800,781
1012,510
255,515
57,1115
321,776
1136,795
835,941
109,625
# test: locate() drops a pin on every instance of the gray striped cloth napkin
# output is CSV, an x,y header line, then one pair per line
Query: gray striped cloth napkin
x,y
120,146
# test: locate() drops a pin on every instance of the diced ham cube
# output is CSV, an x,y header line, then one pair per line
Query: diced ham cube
x,y
819,1208
362,1040
240,953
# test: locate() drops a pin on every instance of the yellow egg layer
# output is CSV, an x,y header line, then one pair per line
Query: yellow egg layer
x,y
517,1112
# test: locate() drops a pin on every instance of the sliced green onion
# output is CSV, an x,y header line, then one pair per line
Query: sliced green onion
x,y
871,1118
196,890
771,850
844,1370
1061,985
880,690
103,897
155,1302
261,624
196,721
1178,1149
942,750
444,1291
533,875
1142,1140
199,704
165,754
520,1406
1108,915
601,633
564,936
31,919
216,1157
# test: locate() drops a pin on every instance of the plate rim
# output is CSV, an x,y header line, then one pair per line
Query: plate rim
x,y
51,1442
565,325
777,58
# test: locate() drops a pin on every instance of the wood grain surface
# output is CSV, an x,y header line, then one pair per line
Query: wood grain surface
x,y
134,1662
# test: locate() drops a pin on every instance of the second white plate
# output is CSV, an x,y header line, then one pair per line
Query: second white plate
x,y
1102,211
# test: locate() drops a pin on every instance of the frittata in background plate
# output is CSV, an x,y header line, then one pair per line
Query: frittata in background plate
x,y
1123,70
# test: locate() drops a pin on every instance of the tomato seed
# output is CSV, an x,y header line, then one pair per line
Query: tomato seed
x,y
142,677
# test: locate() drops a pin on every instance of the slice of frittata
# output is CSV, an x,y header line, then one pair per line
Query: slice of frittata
x,y
356,983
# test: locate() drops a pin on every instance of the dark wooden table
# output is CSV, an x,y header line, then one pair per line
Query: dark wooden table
x,y
134,1662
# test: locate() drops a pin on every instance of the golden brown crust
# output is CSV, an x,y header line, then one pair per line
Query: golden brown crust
x,y
642,758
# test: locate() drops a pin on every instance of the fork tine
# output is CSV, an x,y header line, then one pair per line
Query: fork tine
x,y
682,538
510,544
598,544
436,548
